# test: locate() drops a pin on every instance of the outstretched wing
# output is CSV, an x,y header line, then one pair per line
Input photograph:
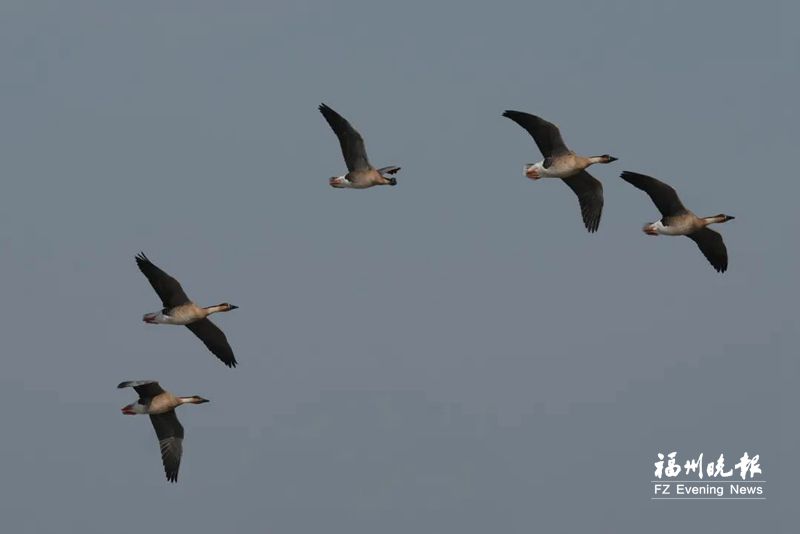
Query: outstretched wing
x,y
663,196
147,389
214,339
590,196
168,289
391,169
712,247
355,155
170,439
546,134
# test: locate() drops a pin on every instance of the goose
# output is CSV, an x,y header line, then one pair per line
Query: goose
x,y
179,309
361,174
677,220
561,162
160,406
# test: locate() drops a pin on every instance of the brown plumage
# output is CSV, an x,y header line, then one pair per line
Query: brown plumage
x,y
180,310
160,406
677,220
561,162
361,174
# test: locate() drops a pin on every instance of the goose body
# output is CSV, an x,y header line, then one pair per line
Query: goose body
x,y
180,310
563,167
561,162
361,174
678,220
184,314
160,406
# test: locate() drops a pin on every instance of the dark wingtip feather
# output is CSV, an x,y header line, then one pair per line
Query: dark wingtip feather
x,y
723,266
514,115
592,225
330,115
591,219
633,177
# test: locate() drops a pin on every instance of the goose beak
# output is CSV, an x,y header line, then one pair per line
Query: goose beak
x,y
612,158
234,307
201,400
731,217
392,181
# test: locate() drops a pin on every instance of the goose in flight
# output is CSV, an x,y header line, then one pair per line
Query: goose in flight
x,y
160,406
677,220
561,162
179,309
361,174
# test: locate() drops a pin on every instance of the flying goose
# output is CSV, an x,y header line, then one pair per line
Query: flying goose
x,y
677,220
561,162
160,406
361,174
179,309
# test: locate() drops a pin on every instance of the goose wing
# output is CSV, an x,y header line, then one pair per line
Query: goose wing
x,y
590,196
391,169
546,134
168,289
214,339
713,248
663,196
170,439
355,155
147,389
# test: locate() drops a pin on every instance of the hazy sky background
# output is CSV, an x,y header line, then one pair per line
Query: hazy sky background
x,y
452,355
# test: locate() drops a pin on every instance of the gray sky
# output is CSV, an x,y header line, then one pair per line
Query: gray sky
x,y
452,355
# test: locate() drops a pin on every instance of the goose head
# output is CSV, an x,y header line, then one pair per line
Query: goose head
x,y
224,307
719,218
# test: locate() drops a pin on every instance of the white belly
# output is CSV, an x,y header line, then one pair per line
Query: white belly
x,y
342,183
659,227
159,318
359,186
550,172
